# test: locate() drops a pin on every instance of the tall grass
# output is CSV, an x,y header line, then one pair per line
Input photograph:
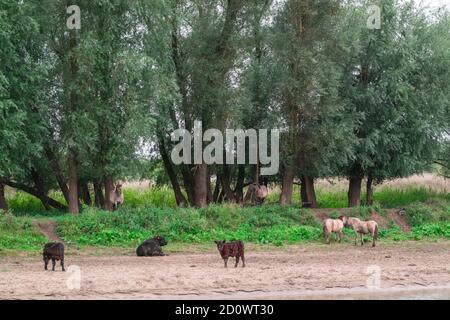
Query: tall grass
x,y
329,195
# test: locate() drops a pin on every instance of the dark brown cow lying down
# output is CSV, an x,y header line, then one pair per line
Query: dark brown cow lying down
x,y
55,252
151,247
231,249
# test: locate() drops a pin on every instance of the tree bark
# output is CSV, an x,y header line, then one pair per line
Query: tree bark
x,y
369,190
98,193
55,204
58,173
287,186
73,186
303,194
179,197
229,195
209,194
201,189
239,191
109,189
39,185
308,192
3,203
354,191
84,194
216,192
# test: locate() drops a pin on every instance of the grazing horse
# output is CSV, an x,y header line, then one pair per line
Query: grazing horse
x,y
361,228
330,226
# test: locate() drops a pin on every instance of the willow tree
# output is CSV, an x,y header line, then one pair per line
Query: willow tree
x,y
395,87
306,49
24,117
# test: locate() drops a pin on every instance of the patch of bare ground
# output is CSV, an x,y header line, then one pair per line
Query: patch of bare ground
x,y
47,228
293,272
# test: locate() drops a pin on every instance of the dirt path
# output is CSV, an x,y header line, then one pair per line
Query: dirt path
x,y
298,272
47,228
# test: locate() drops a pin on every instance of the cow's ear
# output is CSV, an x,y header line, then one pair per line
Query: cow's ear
x,y
216,242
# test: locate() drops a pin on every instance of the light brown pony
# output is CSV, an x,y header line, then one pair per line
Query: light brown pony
x,y
361,228
116,197
330,226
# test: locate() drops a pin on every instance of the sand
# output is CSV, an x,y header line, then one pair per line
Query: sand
x,y
407,270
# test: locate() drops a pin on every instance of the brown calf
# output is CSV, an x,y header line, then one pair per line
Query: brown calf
x,y
231,249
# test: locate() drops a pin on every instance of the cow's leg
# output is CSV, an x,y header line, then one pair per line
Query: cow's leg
x,y
373,240
237,261
340,236
46,263
327,238
243,260
53,264
225,260
362,239
62,264
356,238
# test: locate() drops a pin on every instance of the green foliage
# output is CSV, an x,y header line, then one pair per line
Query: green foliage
x,y
419,214
264,225
271,224
19,234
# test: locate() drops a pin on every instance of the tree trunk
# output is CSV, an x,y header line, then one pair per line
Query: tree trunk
x,y
303,194
216,192
83,189
55,204
3,204
201,189
39,184
310,192
239,192
98,193
287,186
109,189
73,186
229,195
189,183
209,196
369,190
179,197
354,192
58,173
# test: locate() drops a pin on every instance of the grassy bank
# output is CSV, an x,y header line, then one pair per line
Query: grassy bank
x,y
270,224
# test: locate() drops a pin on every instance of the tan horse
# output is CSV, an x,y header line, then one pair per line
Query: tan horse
x,y
361,228
116,197
330,226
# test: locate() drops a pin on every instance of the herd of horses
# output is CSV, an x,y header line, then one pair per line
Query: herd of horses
x,y
360,227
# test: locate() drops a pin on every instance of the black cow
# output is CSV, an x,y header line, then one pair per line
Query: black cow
x,y
53,251
151,247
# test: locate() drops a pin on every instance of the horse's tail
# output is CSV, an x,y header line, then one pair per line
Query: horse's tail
x,y
375,233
